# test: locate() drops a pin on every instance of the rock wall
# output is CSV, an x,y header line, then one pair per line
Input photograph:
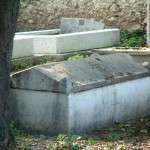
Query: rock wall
x,y
46,14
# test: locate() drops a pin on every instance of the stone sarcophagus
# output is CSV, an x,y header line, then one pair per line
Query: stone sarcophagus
x,y
80,96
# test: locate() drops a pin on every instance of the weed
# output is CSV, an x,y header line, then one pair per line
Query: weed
x,y
133,39
71,142
78,56
21,139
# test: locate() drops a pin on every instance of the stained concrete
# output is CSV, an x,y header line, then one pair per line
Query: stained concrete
x,y
40,112
75,76
141,55
102,107
79,96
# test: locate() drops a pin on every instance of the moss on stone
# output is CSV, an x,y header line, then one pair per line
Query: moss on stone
x,y
27,62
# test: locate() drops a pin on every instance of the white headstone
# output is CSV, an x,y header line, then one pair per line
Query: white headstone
x,y
71,25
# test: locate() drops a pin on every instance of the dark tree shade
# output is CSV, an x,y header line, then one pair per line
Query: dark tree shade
x,y
8,15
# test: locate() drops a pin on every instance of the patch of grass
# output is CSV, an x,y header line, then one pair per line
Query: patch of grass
x,y
79,56
25,141
130,135
24,63
114,136
133,39
20,139
128,39
64,142
71,142
27,62
126,131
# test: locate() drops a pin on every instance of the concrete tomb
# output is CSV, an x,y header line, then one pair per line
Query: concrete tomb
x,y
47,42
80,96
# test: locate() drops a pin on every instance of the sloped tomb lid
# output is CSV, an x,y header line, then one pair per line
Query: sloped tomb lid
x,y
75,76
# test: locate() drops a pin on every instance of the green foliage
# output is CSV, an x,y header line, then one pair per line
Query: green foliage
x,y
71,142
114,136
65,142
128,39
133,39
24,63
13,129
27,62
120,134
21,139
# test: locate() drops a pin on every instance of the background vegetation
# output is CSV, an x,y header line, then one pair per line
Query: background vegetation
x,y
133,39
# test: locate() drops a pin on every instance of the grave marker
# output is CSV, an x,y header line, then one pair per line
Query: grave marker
x,y
80,96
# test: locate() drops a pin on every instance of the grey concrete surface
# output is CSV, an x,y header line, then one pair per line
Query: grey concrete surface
x,y
71,25
102,107
144,60
140,55
40,112
55,113
75,76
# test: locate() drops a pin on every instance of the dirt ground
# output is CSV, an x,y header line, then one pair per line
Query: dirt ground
x,y
133,135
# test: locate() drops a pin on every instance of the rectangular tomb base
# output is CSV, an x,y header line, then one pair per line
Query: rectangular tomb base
x,y
51,113
80,96
63,43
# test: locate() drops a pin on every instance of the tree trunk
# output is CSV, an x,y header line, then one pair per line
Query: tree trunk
x,y
8,16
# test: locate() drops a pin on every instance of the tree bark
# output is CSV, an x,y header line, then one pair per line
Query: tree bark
x,y
8,16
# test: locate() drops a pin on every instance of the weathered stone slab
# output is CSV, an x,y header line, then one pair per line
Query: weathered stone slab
x,y
71,25
75,76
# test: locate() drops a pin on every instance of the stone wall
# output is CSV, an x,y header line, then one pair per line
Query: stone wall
x,y
46,14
